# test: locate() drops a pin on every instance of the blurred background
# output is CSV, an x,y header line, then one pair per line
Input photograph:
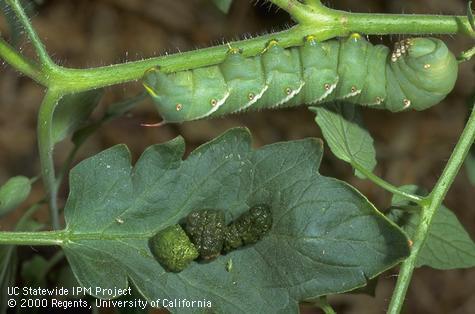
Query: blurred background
x,y
411,147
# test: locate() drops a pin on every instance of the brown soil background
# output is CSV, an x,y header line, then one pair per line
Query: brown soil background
x,y
411,147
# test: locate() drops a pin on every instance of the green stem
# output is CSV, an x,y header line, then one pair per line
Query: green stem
x,y
386,185
432,203
313,3
315,19
76,80
296,9
324,25
466,55
20,63
46,147
43,56
324,305
412,24
32,238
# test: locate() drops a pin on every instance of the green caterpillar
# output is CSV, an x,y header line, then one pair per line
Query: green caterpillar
x,y
205,235
418,74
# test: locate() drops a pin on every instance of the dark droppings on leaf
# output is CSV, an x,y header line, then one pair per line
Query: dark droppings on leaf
x,y
206,235
206,230
249,228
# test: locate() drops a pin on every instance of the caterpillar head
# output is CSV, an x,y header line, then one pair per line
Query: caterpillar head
x,y
427,71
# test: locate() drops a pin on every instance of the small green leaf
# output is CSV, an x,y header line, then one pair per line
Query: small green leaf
x,y
72,111
343,129
448,245
223,5
325,236
14,192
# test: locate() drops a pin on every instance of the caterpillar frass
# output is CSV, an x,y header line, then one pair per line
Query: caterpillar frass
x,y
417,74
205,235
248,228
173,249
206,230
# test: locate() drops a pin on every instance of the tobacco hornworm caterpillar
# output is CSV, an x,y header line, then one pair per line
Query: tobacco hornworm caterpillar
x,y
418,74
207,236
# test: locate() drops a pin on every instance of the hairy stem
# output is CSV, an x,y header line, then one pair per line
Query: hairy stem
x,y
43,56
296,9
20,63
322,25
433,202
314,19
46,147
386,185
75,80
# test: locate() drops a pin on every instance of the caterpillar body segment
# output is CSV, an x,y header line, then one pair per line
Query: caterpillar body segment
x,y
417,74
428,75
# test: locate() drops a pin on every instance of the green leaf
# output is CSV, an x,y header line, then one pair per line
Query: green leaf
x,y
223,5
14,192
343,129
326,237
72,111
448,245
